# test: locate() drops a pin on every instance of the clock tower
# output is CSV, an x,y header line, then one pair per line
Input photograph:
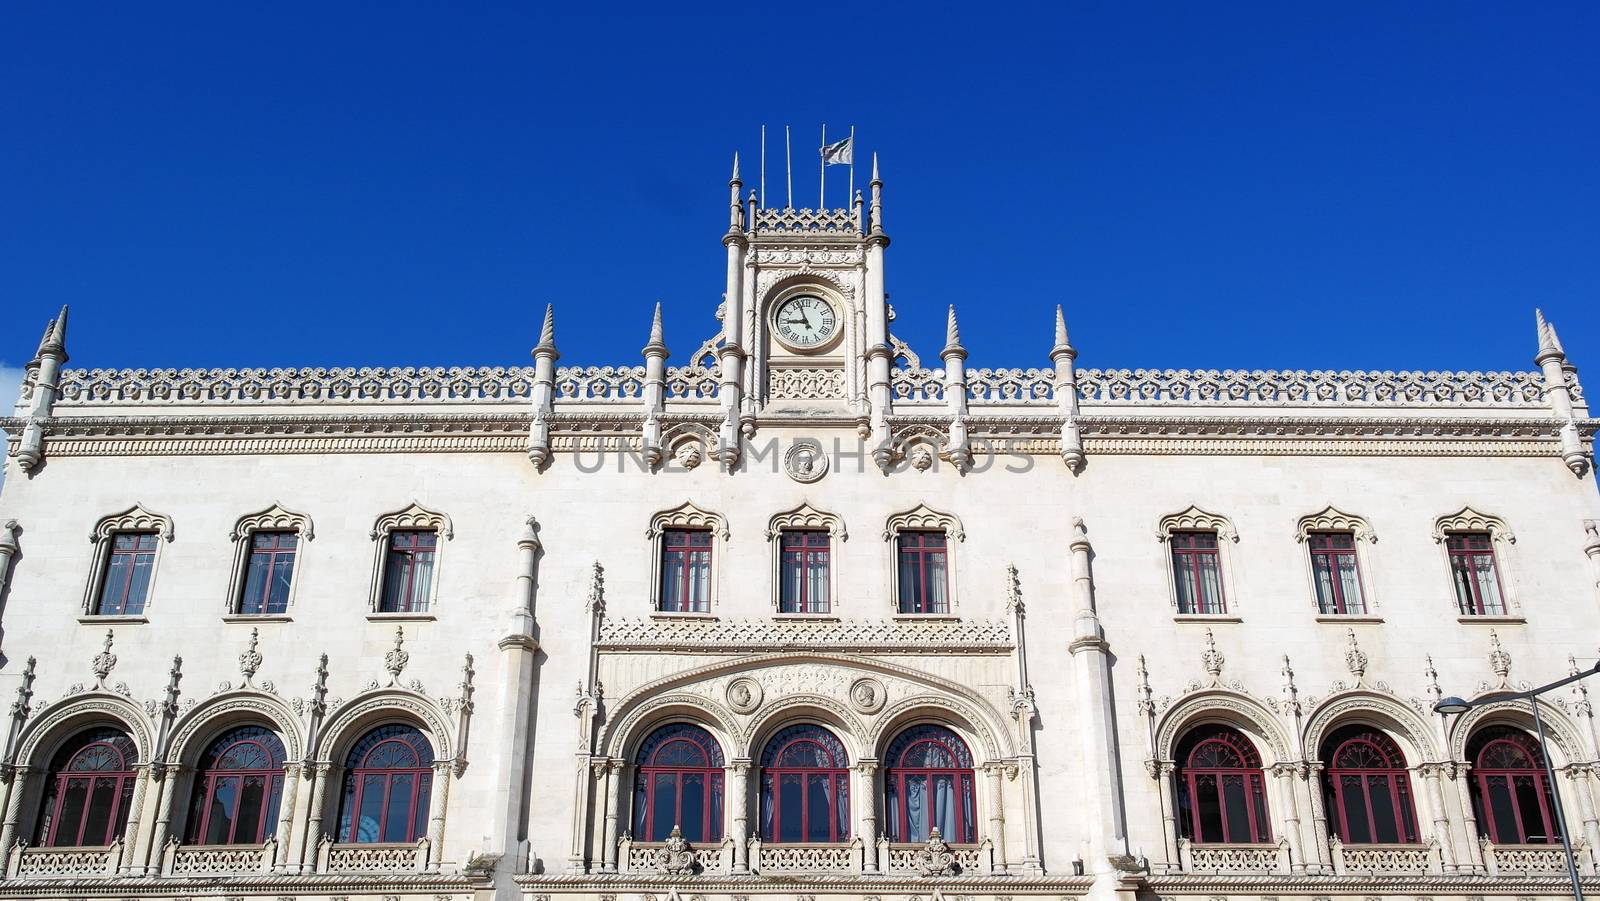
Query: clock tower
x,y
812,320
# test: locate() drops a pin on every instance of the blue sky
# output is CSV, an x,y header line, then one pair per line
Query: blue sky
x,y
1201,185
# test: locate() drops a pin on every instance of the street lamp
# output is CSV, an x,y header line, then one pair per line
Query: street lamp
x,y
1455,705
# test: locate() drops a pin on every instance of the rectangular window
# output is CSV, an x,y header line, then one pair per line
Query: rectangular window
x,y
408,571
686,571
125,585
1335,572
803,572
924,567
269,572
1474,574
1197,572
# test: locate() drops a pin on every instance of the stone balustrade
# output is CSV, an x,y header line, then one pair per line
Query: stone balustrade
x,y
1380,860
772,859
62,863
645,857
373,857
1535,860
1265,859
217,860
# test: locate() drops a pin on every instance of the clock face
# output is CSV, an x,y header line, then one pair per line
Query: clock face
x,y
805,321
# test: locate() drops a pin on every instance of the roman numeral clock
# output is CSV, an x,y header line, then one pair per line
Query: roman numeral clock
x,y
805,322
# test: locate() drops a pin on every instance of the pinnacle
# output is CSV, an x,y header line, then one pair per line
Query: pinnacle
x,y
55,334
1549,342
657,339
1061,330
952,334
875,166
736,165
547,333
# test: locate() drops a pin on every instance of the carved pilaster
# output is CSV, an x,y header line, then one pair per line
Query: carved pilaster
x,y
321,772
739,811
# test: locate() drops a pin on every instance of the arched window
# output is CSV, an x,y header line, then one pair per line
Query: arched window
x,y
387,778
91,785
805,787
1221,795
679,783
237,789
1509,788
928,783
1367,787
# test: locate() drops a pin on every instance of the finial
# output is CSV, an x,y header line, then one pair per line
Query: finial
x,y
250,660
547,332
55,336
396,659
104,661
1355,660
597,589
657,340
1432,675
1212,659
952,336
735,165
1499,660
1147,704
1014,591
1549,342
875,166
1291,693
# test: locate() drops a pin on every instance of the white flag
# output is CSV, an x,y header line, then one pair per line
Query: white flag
x,y
840,154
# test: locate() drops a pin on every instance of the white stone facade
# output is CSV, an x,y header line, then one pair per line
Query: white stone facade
x,y
537,660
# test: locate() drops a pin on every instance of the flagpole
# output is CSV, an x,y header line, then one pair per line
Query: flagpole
x,y
788,168
850,197
822,189
763,165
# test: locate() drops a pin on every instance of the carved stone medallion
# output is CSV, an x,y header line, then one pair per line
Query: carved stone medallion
x,y
867,695
805,461
744,695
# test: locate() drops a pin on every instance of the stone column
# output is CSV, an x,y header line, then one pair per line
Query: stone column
x,y
286,816
1101,785
438,803
739,811
1578,780
866,791
164,802
613,796
1319,816
319,789
1285,773
8,832
1169,815
130,833
994,784
1032,861
1469,819
1432,775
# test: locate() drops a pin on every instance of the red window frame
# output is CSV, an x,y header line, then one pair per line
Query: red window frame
x,y
920,547
1327,548
407,548
366,763
834,778
651,771
1361,759
1200,775
144,546
1465,550
1491,751
897,794
97,760
804,550
1189,548
285,543
216,772
689,547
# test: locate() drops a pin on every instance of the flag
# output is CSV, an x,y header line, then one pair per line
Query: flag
x,y
840,154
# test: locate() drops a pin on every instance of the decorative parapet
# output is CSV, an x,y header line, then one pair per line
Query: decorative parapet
x,y
373,858
368,385
62,863
904,860
1266,859
755,635
772,859
1283,387
1385,860
789,221
217,860
645,857
1535,860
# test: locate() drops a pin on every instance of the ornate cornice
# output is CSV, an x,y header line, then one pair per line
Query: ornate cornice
x,y
134,519
751,635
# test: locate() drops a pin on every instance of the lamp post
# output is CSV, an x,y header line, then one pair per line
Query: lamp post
x,y
1455,705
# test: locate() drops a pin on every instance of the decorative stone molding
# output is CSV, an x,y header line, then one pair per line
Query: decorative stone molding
x,y
805,461
1229,706
1469,520
744,695
751,635
867,695
688,516
414,516
274,518
806,383
1334,520
196,728
806,516
1195,519
55,721
1563,734
1373,707
924,518
134,519
352,719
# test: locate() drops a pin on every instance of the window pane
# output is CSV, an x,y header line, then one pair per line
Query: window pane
x,y
368,823
1237,809
397,568
817,588
715,832
114,593
74,798
665,810
791,805
789,583
694,806
819,803
252,797
910,587
97,823
397,823
1488,584
1210,585
419,822
1210,809
224,804
700,582
1503,811
916,808
1383,810
139,586
1350,584
1354,810
255,582
1183,581
672,581
1533,822
421,581
937,599
1322,575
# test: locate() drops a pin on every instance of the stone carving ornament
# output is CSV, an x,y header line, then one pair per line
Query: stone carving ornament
x,y
806,461
867,695
936,859
675,859
744,695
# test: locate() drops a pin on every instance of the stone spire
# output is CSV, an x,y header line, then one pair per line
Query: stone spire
x,y
655,390
955,392
1065,390
545,356
876,188
731,356
44,372
735,211
1552,360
